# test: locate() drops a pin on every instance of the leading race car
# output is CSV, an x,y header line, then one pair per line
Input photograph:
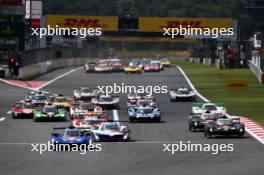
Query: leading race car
x,y
106,102
224,127
103,68
112,131
90,67
85,93
22,109
132,69
49,113
216,108
71,135
144,113
182,94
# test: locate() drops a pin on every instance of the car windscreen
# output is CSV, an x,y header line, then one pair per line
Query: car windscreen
x,y
90,122
111,126
224,122
108,99
60,100
87,90
210,108
50,109
183,91
40,97
73,133
28,106
145,110
89,107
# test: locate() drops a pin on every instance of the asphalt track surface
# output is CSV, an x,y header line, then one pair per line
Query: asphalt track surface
x,y
142,156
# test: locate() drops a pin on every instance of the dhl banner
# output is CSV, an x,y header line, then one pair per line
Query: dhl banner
x,y
107,23
156,24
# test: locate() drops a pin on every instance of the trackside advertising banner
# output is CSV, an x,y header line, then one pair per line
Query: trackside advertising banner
x,y
107,23
156,24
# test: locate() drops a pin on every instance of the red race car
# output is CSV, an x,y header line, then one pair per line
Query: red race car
x,y
89,122
22,109
152,67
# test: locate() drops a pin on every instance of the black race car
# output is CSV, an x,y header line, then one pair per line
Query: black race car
x,y
224,127
197,122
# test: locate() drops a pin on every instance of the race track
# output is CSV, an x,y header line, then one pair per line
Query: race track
x,y
142,156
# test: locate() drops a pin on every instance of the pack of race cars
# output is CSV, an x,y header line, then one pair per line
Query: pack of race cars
x,y
212,119
134,66
86,108
86,111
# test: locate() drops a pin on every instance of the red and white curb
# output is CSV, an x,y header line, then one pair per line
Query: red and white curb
x,y
252,128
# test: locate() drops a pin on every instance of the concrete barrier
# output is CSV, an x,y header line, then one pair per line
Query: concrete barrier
x,y
35,70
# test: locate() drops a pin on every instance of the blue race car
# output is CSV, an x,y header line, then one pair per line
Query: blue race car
x,y
147,113
71,135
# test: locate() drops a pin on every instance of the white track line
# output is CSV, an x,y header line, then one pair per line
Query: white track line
x,y
2,119
192,86
206,100
115,116
17,85
38,89
58,77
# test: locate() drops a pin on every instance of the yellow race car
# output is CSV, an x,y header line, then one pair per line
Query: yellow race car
x,y
166,62
61,101
132,69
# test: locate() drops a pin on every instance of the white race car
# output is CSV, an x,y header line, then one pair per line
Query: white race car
x,y
182,94
103,67
84,109
137,96
106,101
90,66
85,93
111,131
200,108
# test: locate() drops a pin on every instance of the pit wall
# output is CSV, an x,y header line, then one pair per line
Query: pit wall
x,y
38,69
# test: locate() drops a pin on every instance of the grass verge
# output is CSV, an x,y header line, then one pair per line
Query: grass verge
x,y
212,83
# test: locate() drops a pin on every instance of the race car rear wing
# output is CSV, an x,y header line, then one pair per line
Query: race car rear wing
x,y
200,104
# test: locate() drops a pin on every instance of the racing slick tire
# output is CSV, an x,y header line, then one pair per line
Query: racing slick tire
x,y
191,128
131,119
157,119
172,100
207,134
14,116
94,138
